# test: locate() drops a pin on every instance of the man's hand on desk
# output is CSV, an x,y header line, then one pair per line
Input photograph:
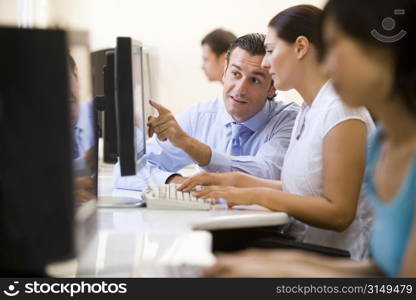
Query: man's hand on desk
x,y
84,187
167,128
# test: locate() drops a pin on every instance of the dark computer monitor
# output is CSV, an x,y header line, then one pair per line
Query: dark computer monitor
x,y
110,139
105,102
40,222
129,95
36,187
98,60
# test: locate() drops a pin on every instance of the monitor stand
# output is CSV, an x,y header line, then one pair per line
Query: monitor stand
x,y
119,202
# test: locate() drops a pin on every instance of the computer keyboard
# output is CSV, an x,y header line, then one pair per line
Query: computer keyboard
x,y
166,196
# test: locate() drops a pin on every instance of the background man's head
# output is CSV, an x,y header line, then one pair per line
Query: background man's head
x,y
214,49
247,85
73,89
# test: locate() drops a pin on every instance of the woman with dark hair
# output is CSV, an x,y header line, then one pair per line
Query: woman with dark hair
x,y
376,68
324,165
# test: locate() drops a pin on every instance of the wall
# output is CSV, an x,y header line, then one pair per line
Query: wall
x,y
171,31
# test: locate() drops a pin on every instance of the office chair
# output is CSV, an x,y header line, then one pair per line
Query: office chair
x,y
230,240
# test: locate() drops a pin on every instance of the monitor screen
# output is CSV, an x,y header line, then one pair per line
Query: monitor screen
x,y
84,136
138,98
148,109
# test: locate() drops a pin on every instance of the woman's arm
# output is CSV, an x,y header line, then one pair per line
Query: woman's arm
x,y
289,263
344,161
236,179
409,261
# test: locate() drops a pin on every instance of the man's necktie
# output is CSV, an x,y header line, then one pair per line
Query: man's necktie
x,y
239,134
75,142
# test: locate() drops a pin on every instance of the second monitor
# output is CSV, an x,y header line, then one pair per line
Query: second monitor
x,y
130,104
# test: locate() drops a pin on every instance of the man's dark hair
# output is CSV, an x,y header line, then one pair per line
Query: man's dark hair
x,y
359,18
253,43
219,41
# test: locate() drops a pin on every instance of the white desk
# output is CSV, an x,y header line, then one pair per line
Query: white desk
x,y
130,239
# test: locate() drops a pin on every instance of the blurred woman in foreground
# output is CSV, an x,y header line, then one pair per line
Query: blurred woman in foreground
x,y
372,65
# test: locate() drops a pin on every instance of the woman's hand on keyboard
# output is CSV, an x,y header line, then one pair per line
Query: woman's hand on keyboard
x,y
206,178
233,195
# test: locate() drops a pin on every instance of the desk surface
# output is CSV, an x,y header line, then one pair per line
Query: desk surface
x,y
128,239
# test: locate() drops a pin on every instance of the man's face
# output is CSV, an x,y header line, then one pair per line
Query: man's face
x,y
212,64
246,85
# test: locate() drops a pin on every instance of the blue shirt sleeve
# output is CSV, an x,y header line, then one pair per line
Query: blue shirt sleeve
x,y
161,161
85,124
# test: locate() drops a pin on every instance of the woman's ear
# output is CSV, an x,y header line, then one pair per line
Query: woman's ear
x,y
301,46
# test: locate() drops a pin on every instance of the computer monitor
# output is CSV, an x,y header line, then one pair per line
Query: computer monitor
x,y
103,79
129,94
36,188
40,222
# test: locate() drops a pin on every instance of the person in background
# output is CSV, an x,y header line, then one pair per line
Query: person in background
x,y
83,152
377,69
323,168
214,51
82,119
245,130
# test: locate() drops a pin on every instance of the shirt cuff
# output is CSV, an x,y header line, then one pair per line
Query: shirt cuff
x,y
163,176
219,162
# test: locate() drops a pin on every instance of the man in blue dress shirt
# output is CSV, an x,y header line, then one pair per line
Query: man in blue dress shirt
x,y
83,142
245,130
82,122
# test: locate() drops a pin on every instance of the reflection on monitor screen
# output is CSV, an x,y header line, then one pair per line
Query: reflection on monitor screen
x,y
84,136
138,96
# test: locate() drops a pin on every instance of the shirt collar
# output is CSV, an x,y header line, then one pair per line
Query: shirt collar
x,y
326,91
254,123
77,129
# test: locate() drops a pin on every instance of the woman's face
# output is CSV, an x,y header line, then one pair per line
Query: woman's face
x,y
281,61
362,75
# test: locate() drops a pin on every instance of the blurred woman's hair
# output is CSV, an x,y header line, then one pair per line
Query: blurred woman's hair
x,y
374,23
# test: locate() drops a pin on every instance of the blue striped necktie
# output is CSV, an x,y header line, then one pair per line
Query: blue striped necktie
x,y
76,142
239,134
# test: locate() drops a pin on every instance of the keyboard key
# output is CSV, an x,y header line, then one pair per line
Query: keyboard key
x,y
167,197
172,191
179,195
